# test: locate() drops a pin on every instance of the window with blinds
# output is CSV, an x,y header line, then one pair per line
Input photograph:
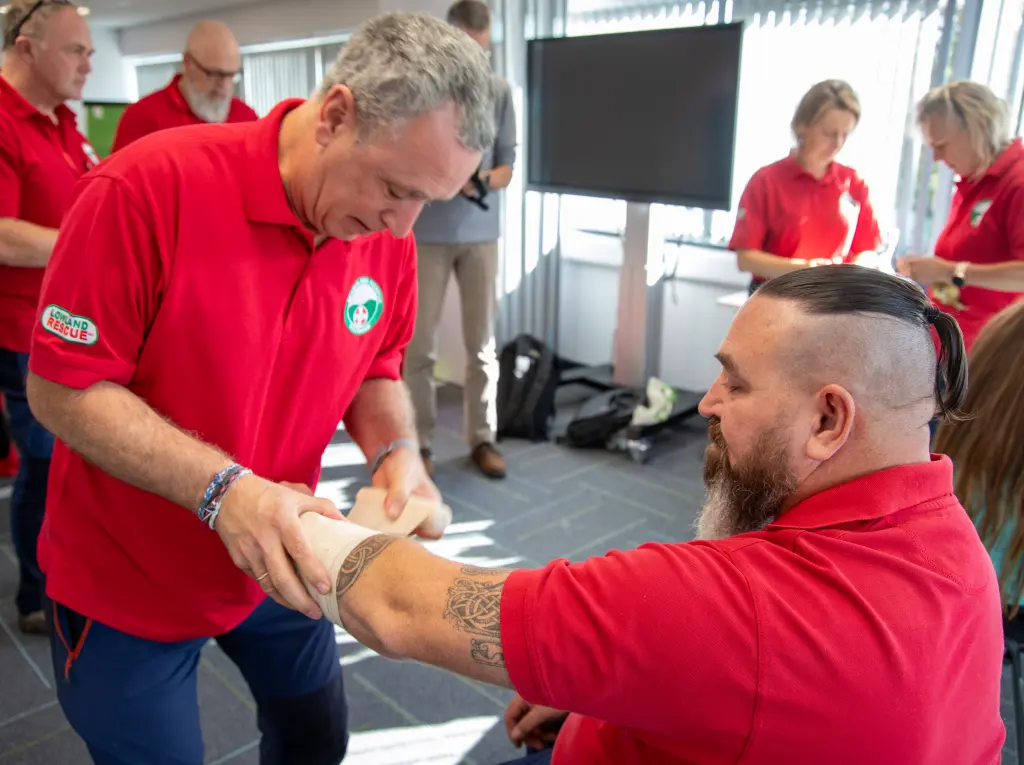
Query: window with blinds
x,y
886,51
274,76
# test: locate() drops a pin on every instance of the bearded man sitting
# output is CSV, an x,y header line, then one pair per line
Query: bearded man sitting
x,y
837,607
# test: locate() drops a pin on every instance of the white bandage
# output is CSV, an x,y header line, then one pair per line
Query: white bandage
x,y
332,542
368,510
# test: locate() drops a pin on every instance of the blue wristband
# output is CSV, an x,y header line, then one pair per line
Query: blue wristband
x,y
209,507
385,452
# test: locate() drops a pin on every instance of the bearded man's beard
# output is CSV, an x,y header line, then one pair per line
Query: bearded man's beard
x,y
209,108
749,495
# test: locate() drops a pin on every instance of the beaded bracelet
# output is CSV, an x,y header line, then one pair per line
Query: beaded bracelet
x,y
210,505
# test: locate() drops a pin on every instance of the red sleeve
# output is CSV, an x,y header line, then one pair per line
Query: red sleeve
x,y
388,363
868,235
132,126
751,229
242,112
1013,218
598,638
10,175
101,289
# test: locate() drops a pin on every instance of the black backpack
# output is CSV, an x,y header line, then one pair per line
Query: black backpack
x,y
600,417
527,382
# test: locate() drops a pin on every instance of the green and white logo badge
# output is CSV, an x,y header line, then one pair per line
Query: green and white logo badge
x,y
364,306
90,152
978,212
67,326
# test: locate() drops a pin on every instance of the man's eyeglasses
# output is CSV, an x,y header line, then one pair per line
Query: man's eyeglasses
x,y
13,35
216,74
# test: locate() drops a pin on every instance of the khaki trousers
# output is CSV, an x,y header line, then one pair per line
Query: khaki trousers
x,y
476,268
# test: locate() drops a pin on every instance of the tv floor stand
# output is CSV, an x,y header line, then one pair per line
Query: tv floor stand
x,y
638,335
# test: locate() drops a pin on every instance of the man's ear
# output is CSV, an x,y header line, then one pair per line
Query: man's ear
x,y
337,114
24,46
835,411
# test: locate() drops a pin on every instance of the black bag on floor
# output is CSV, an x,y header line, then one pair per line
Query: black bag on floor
x,y
527,381
601,417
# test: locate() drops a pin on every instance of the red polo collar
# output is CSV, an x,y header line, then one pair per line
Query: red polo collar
x,y
873,496
22,108
798,171
265,200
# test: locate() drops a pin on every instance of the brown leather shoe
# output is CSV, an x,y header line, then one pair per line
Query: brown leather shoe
x,y
489,460
33,623
428,461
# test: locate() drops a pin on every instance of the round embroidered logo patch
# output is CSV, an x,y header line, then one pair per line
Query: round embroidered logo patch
x,y
364,306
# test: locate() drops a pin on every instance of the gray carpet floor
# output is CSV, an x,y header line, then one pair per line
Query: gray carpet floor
x,y
554,503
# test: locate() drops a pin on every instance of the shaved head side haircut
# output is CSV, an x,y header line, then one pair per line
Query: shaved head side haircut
x,y
851,294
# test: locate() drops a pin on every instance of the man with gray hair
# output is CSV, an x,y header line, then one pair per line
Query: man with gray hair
x,y
217,302
203,92
461,237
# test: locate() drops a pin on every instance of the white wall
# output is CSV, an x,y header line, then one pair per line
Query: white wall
x,y
108,80
254,24
693,323
268,22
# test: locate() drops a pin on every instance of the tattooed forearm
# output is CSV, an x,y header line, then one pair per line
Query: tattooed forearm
x,y
474,606
469,570
487,652
359,560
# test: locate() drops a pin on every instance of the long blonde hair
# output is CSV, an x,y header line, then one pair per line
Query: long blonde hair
x,y
988,448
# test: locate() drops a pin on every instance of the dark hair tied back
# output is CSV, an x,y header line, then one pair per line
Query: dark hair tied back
x,y
851,289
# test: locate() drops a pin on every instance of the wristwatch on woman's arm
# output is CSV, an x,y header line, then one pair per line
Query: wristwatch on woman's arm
x,y
960,273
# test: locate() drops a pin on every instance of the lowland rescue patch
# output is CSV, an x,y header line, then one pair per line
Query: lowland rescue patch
x,y
65,325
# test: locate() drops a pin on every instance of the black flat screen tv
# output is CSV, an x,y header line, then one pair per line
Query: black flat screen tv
x,y
641,116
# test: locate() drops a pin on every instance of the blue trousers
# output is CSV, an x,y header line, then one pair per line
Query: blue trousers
x,y
536,757
28,500
133,701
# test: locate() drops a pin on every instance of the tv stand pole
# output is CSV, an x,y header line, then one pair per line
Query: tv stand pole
x,y
638,333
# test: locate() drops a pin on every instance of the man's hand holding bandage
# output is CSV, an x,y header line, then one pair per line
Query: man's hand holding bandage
x,y
333,541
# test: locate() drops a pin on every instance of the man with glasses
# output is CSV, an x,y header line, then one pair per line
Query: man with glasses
x,y
204,92
46,51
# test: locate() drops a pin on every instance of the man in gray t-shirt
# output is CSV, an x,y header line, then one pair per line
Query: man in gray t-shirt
x,y
461,237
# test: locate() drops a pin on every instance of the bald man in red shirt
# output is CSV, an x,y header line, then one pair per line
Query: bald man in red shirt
x,y
204,92
837,606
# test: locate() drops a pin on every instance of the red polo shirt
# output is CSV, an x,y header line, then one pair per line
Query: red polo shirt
x,y
40,162
183,275
863,626
786,211
985,225
167,108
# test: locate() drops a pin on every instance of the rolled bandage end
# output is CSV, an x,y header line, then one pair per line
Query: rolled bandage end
x,y
430,515
438,521
332,542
